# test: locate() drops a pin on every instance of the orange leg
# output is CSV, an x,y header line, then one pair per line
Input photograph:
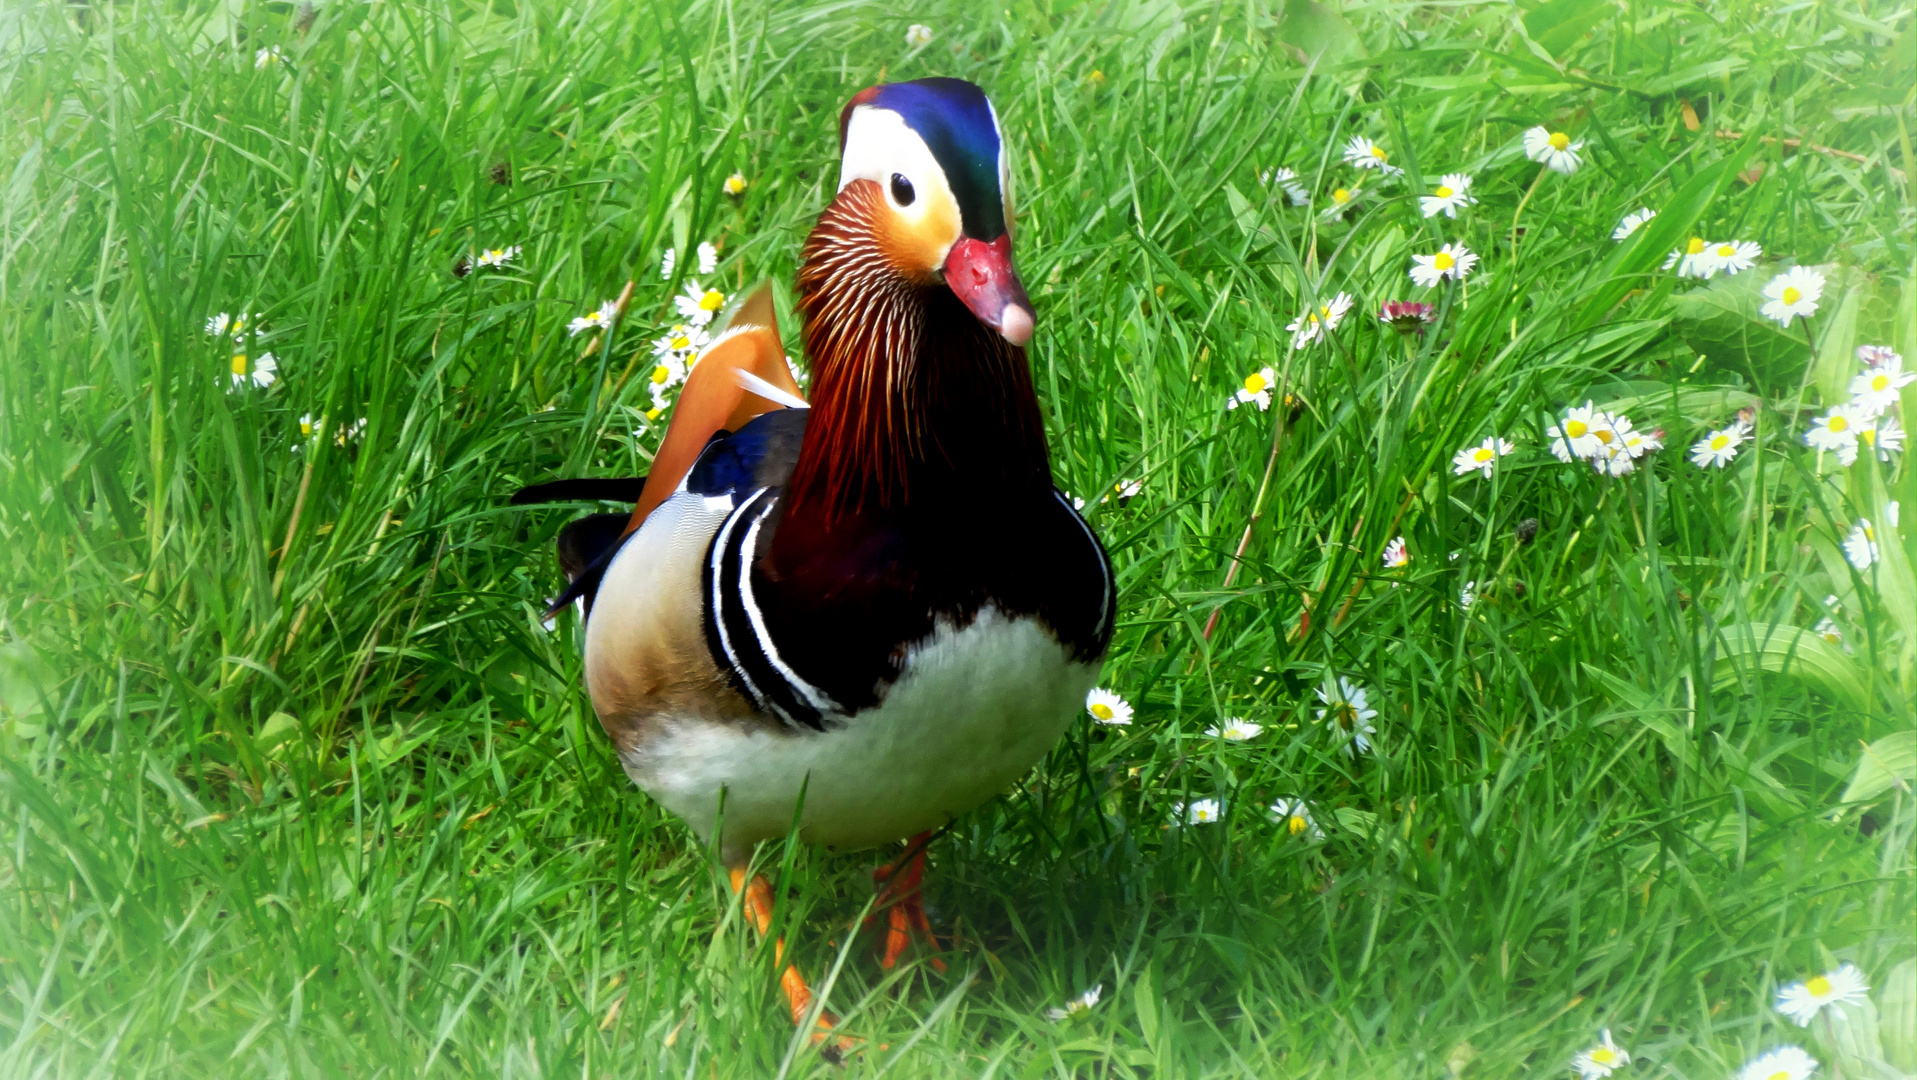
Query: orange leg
x,y
757,902
902,900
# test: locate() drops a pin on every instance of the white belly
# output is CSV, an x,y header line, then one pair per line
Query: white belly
x,y
973,710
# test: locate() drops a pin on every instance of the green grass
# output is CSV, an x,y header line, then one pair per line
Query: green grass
x,y
292,781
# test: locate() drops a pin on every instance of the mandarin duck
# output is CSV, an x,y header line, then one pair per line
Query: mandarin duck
x,y
869,613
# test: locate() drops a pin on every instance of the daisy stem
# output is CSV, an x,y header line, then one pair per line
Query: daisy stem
x,y
1522,203
1264,486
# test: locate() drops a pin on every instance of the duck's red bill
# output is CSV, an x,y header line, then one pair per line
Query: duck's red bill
x,y
981,275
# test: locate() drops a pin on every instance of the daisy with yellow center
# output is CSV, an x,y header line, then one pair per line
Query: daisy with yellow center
x,y
1877,388
735,185
1829,632
1553,149
1581,434
1452,192
1362,153
1080,1004
1235,729
1255,391
1632,222
496,257
1296,819
918,36
1482,457
680,342
1452,261
1783,1063
1347,716
1312,325
1719,448
696,305
1108,708
1198,812
350,432
1693,260
262,371
1885,436
708,257
1734,256
1621,455
1837,430
1793,294
1395,555
1601,1060
597,319
1860,547
1342,200
310,425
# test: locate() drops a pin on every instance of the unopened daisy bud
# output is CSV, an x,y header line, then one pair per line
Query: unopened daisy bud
x,y
1527,530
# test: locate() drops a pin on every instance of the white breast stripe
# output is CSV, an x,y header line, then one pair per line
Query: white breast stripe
x,y
815,697
1104,567
718,616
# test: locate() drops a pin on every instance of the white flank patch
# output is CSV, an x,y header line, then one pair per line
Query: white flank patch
x,y
974,710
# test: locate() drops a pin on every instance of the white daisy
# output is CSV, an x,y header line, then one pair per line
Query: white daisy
x,y
262,371
218,324
1601,1060
1735,256
1468,595
1581,434
1482,457
311,426
668,264
917,36
1341,200
681,342
1720,446
1395,555
1452,261
1632,222
1829,631
1235,729
1885,436
268,57
1362,153
1089,998
1127,489
1296,817
1200,812
697,306
1837,430
1860,547
1346,716
668,371
494,257
1313,325
594,320
1878,355
350,432
1257,389
1793,293
1783,1063
1288,180
1452,192
1107,707
735,185
1694,259
1890,513
1876,389
708,258
1554,149
1621,457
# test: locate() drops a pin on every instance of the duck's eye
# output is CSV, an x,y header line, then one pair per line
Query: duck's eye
x,y
902,192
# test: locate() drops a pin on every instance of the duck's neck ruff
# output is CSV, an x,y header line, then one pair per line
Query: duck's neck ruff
x,y
914,401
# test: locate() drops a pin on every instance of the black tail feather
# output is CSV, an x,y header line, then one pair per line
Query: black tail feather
x,y
586,548
623,489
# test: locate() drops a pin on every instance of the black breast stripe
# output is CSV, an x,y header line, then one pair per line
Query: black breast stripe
x,y
1108,594
736,632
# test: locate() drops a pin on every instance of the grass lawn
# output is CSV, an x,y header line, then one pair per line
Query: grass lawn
x,y
294,781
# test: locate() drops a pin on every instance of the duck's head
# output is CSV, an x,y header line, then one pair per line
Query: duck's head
x,y
940,193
